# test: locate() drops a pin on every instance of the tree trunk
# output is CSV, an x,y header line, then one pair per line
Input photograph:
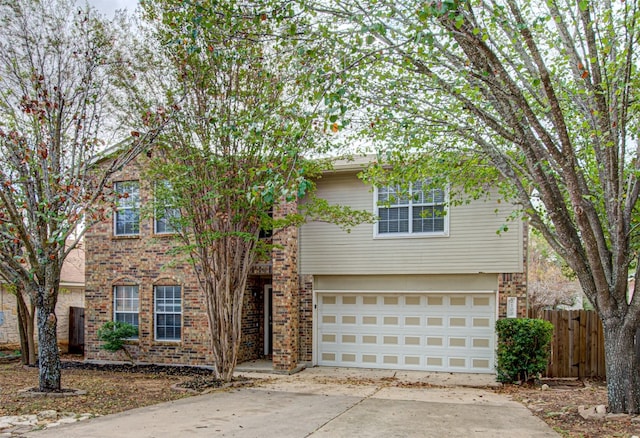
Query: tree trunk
x,y
26,328
48,354
31,334
225,316
623,372
224,288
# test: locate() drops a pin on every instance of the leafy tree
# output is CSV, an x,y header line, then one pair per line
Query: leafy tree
x,y
114,334
58,65
539,98
235,148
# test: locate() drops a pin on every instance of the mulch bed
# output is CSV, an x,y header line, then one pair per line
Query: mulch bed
x,y
201,378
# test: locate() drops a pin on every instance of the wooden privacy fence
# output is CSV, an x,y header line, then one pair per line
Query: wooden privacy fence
x,y
577,348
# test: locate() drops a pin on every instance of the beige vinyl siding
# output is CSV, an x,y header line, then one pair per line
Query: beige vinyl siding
x,y
471,246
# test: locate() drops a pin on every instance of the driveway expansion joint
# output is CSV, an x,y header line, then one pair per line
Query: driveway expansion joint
x,y
377,390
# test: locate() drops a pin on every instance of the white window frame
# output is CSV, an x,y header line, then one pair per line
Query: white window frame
x,y
129,299
166,220
173,312
170,212
410,204
131,202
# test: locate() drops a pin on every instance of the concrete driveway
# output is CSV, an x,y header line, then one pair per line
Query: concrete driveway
x,y
326,402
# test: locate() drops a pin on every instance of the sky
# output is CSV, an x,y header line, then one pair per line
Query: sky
x,y
108,7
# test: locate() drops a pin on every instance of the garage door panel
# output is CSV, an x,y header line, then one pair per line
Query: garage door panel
x,y
437,332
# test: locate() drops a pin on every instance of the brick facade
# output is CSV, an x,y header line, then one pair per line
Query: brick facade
x,y
145,261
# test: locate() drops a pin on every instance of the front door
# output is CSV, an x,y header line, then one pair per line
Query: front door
x,y
268,320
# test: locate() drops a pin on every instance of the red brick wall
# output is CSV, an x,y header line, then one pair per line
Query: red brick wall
x,y
306,318
285,292
514,284
145,261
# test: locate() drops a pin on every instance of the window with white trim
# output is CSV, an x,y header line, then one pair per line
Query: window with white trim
x,y
165,220
419,210
126,304
168,312
127,217
166,214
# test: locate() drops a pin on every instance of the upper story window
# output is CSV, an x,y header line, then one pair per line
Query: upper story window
x,y
127,217
165,220
126,304
166,214
420,210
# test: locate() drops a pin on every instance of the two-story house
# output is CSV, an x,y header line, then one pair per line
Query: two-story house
x,y
420,289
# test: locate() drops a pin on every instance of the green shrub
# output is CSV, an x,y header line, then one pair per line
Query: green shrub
x,y
114,334
523,348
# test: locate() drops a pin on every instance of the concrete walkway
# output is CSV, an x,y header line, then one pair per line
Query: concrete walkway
x,y
328,402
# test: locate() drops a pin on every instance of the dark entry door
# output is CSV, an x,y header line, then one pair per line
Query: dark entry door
x,y
268,320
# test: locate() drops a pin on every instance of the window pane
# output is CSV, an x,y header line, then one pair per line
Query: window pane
x,y
166,220
168,307
421,212
127,216
126,304
129,192
393,195
417,195
393,220
438,196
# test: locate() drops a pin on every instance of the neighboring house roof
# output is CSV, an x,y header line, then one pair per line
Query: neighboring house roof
x,y
73,268
72,274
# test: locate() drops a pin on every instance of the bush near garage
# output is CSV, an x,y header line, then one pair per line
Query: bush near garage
x,y
524,346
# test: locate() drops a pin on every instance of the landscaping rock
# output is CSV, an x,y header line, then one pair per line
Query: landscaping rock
x,y
592,413
21,424
47,415
5,425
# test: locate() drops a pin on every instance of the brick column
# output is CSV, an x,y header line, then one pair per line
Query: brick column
x,y
285,292
306,317
515,284
512,285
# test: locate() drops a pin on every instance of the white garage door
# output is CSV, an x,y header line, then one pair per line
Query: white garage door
x,y
432,332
